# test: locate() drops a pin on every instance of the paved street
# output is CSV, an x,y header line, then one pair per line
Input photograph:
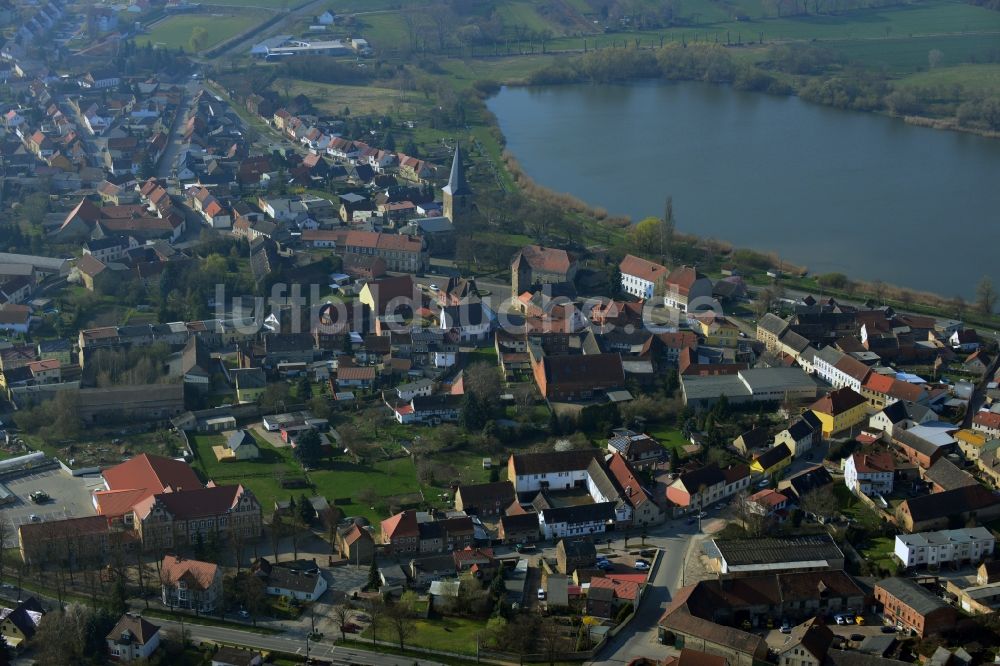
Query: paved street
x,y
295,644
675,539
174,142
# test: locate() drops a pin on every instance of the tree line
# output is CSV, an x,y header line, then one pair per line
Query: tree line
x,y
816,74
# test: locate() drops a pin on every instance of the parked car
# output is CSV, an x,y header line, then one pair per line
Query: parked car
x,y
857,638
786,627
649,552
525,548
886,629
604,565
641,565
34,518
541,594
840,619
39,496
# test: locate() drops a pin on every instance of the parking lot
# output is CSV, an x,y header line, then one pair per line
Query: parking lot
x,y
69,496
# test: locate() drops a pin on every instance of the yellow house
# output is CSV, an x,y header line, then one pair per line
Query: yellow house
x,y
20,623
970,442
250,384
772,462
717,331
840,410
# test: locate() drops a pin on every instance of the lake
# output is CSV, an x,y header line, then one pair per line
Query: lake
x,y
831,190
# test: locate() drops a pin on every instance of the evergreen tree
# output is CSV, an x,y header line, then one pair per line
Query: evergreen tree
x,y
309,449
374,582
306,511
304,388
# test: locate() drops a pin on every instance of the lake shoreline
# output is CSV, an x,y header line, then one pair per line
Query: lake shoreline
x,y
599,209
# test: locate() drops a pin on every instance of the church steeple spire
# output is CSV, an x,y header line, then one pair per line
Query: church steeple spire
x,y
456,181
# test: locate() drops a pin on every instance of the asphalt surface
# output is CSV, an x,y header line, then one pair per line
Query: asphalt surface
x,y
294,644
69,497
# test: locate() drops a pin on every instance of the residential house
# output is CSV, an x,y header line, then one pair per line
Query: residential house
x,y
576,521
485,499
870,473
240,445
987,422
640,450
250,384
300,579
772,462
19,624
573,554
922,445
642,278
839,410
645,510
687,290
801,435
932,549
768,502
430,409
519,527
913,608
231,656
132,639
939,510
190,584
537,265
701,487
806,645
355,544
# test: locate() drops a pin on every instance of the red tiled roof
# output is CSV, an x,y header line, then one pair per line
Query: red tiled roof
x,y
623,589
195,503
642,268
403,524
683,278
987,419
546,259
116,503
195,573
152,474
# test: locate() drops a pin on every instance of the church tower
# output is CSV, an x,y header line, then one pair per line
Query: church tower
x,y
457,197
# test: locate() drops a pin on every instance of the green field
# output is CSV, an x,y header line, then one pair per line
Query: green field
x,y
454,634
911,54
175,31
262,476
342,483
985,77
361,100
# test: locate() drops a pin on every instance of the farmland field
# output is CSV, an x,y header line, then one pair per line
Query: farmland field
x,y
175,31
361,100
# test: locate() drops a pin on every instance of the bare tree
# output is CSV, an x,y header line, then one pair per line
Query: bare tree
x,y
277,528
236,540
819,502
142,575
753,519
252,592
6,534
342,616
376,611
986,296
400,618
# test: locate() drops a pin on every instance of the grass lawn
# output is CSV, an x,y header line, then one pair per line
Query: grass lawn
x,y
175,31
982,77
262,476
910,54
879,552
361,100
342,483
454,634
670,438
